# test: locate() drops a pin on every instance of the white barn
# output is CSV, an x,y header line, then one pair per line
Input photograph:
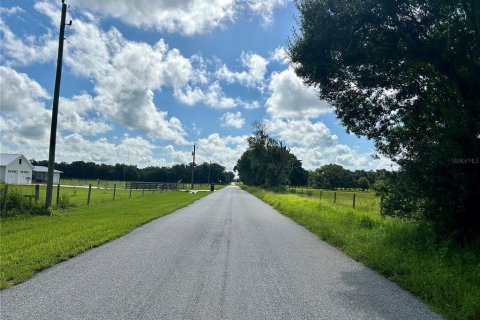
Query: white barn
x,y
15,169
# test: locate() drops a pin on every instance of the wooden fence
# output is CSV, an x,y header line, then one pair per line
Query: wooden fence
x,y
150,186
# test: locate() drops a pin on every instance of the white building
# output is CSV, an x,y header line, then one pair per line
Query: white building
x,y
15,169
40,174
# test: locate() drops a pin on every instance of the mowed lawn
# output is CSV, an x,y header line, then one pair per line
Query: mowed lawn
x,y
29,244
442,274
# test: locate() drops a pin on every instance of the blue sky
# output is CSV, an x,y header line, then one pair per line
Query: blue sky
x,y
144,80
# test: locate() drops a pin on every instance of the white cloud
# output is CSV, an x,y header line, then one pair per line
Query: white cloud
x,y
185,16
11,10
125,76
279,55
291,98
265,8
32,50
302,132
212,96
19,92
315,145
315,157
248,105
254,76
231,119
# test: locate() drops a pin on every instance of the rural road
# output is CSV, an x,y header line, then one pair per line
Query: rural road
x,y
227,256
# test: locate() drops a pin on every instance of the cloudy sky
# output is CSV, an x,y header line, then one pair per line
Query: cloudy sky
x,y
144,80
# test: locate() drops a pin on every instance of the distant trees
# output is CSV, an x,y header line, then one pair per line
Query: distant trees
x,y
123,172
267,162
334,176
405,74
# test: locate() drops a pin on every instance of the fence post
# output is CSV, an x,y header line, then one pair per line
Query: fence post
x,y
320,194
58,193
37,192
114,190
381,205
4,204
143,189
89,192
130,195
353,202
334,196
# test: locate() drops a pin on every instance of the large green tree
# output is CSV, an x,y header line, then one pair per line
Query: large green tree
x,y
267,162
406,74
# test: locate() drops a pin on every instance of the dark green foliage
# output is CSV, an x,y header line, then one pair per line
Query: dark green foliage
x,y
123,172
334,176
267,162
406,74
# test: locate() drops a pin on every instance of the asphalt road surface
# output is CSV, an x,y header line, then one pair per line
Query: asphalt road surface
x,y
227,256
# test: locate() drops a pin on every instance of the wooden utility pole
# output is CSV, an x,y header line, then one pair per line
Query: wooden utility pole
x,y
209,168
56,96
193,163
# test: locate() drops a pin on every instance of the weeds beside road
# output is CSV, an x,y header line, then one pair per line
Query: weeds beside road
x,y
440,273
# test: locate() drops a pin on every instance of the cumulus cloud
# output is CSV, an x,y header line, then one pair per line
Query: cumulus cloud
x,y
16,51
19,92
315,145
279,55
254,76
186,16
26,116
291,98
302,132
213,96
265,8
231,119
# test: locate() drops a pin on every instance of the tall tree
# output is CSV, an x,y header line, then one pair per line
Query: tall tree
x,y
267,162
406,74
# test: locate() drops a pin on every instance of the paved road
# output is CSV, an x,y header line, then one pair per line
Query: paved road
x,y
227,256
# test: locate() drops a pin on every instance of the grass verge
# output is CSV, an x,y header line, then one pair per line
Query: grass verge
x,y
29,244
443,275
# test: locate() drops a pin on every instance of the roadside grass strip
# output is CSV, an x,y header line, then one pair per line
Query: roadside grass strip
x,y
443,275
29,244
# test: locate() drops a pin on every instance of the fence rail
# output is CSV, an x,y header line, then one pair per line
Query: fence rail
x,y
150,186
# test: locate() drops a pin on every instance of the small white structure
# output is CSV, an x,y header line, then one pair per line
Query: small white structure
x,y
40,174
15,169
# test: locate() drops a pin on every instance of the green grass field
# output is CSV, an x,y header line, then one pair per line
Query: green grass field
x,y
443,275
29,243
363,200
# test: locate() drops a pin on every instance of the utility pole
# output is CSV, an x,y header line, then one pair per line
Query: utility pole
x,y
56,95
209,166
193,163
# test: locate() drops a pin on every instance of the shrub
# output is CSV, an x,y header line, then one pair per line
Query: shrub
x,y
64,201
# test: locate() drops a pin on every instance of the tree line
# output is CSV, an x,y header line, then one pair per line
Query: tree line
x,y
203,173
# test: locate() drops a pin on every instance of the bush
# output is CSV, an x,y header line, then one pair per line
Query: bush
x,y
64,201
17,203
